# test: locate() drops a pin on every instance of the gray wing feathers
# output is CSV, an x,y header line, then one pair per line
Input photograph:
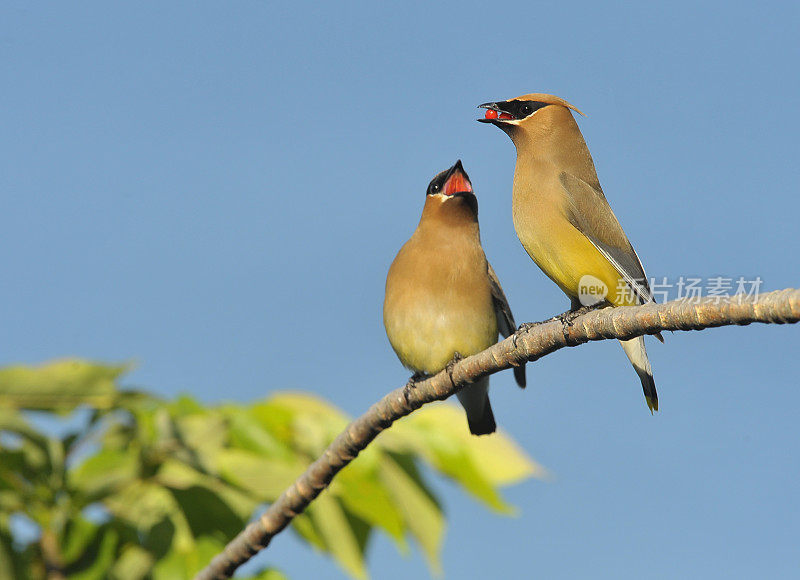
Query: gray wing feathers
x,y
590,213
505,319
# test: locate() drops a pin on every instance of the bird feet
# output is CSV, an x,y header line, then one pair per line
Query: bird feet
x,y
523,328
568,317
457,356
565,318
412,384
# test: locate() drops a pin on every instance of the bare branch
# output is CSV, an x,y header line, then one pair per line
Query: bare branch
x,y
624,323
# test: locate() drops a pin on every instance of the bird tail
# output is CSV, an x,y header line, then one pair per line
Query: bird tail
x,y
475,400
637,354
519,376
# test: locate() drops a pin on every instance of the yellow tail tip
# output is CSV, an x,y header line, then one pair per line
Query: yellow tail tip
x,y
652,404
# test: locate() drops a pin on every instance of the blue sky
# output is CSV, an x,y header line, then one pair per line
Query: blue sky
x,y
216,191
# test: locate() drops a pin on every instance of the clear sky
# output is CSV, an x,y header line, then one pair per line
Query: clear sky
x,y
216,191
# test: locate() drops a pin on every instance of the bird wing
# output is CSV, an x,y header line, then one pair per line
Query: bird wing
x,y
505,318
589,212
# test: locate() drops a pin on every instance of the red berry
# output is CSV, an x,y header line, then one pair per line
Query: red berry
x,y
505,116
491,114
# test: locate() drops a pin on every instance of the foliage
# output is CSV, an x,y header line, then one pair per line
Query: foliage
x,y
149,488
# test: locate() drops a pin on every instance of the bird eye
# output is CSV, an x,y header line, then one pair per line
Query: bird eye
x,y
435,187
527,109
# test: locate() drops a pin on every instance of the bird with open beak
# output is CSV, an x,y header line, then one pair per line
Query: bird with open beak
x,y
443,300
563,218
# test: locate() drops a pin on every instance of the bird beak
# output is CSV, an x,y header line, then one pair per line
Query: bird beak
x,y
500,116
457,181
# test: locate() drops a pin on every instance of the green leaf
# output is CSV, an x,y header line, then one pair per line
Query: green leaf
x,y
248,434
186,405
77,537
479,464
340,538
105,472
59,386
265,478
26,472
266,574
134,563
179,479
180,476
307,421
144,504
208,514
441,445
97,559
173,566
11,420
11,562
420,511
204,433
158,540
182,564
363,494
303,525
10,500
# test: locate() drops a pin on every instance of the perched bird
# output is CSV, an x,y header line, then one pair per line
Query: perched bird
x,y
443,299
563,219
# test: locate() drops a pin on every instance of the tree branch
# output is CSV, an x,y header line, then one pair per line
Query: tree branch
x,y
778,307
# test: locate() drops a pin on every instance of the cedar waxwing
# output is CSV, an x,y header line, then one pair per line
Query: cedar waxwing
x,y
443,299
563,219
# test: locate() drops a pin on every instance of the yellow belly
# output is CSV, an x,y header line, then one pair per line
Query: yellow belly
x,y
566,256
427,336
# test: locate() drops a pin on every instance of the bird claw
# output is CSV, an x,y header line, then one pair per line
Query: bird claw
x,y
412,384
565,318
523,328
568,317
457,356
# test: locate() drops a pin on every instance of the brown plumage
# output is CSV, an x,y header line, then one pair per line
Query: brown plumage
x,y
562,216
443,297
